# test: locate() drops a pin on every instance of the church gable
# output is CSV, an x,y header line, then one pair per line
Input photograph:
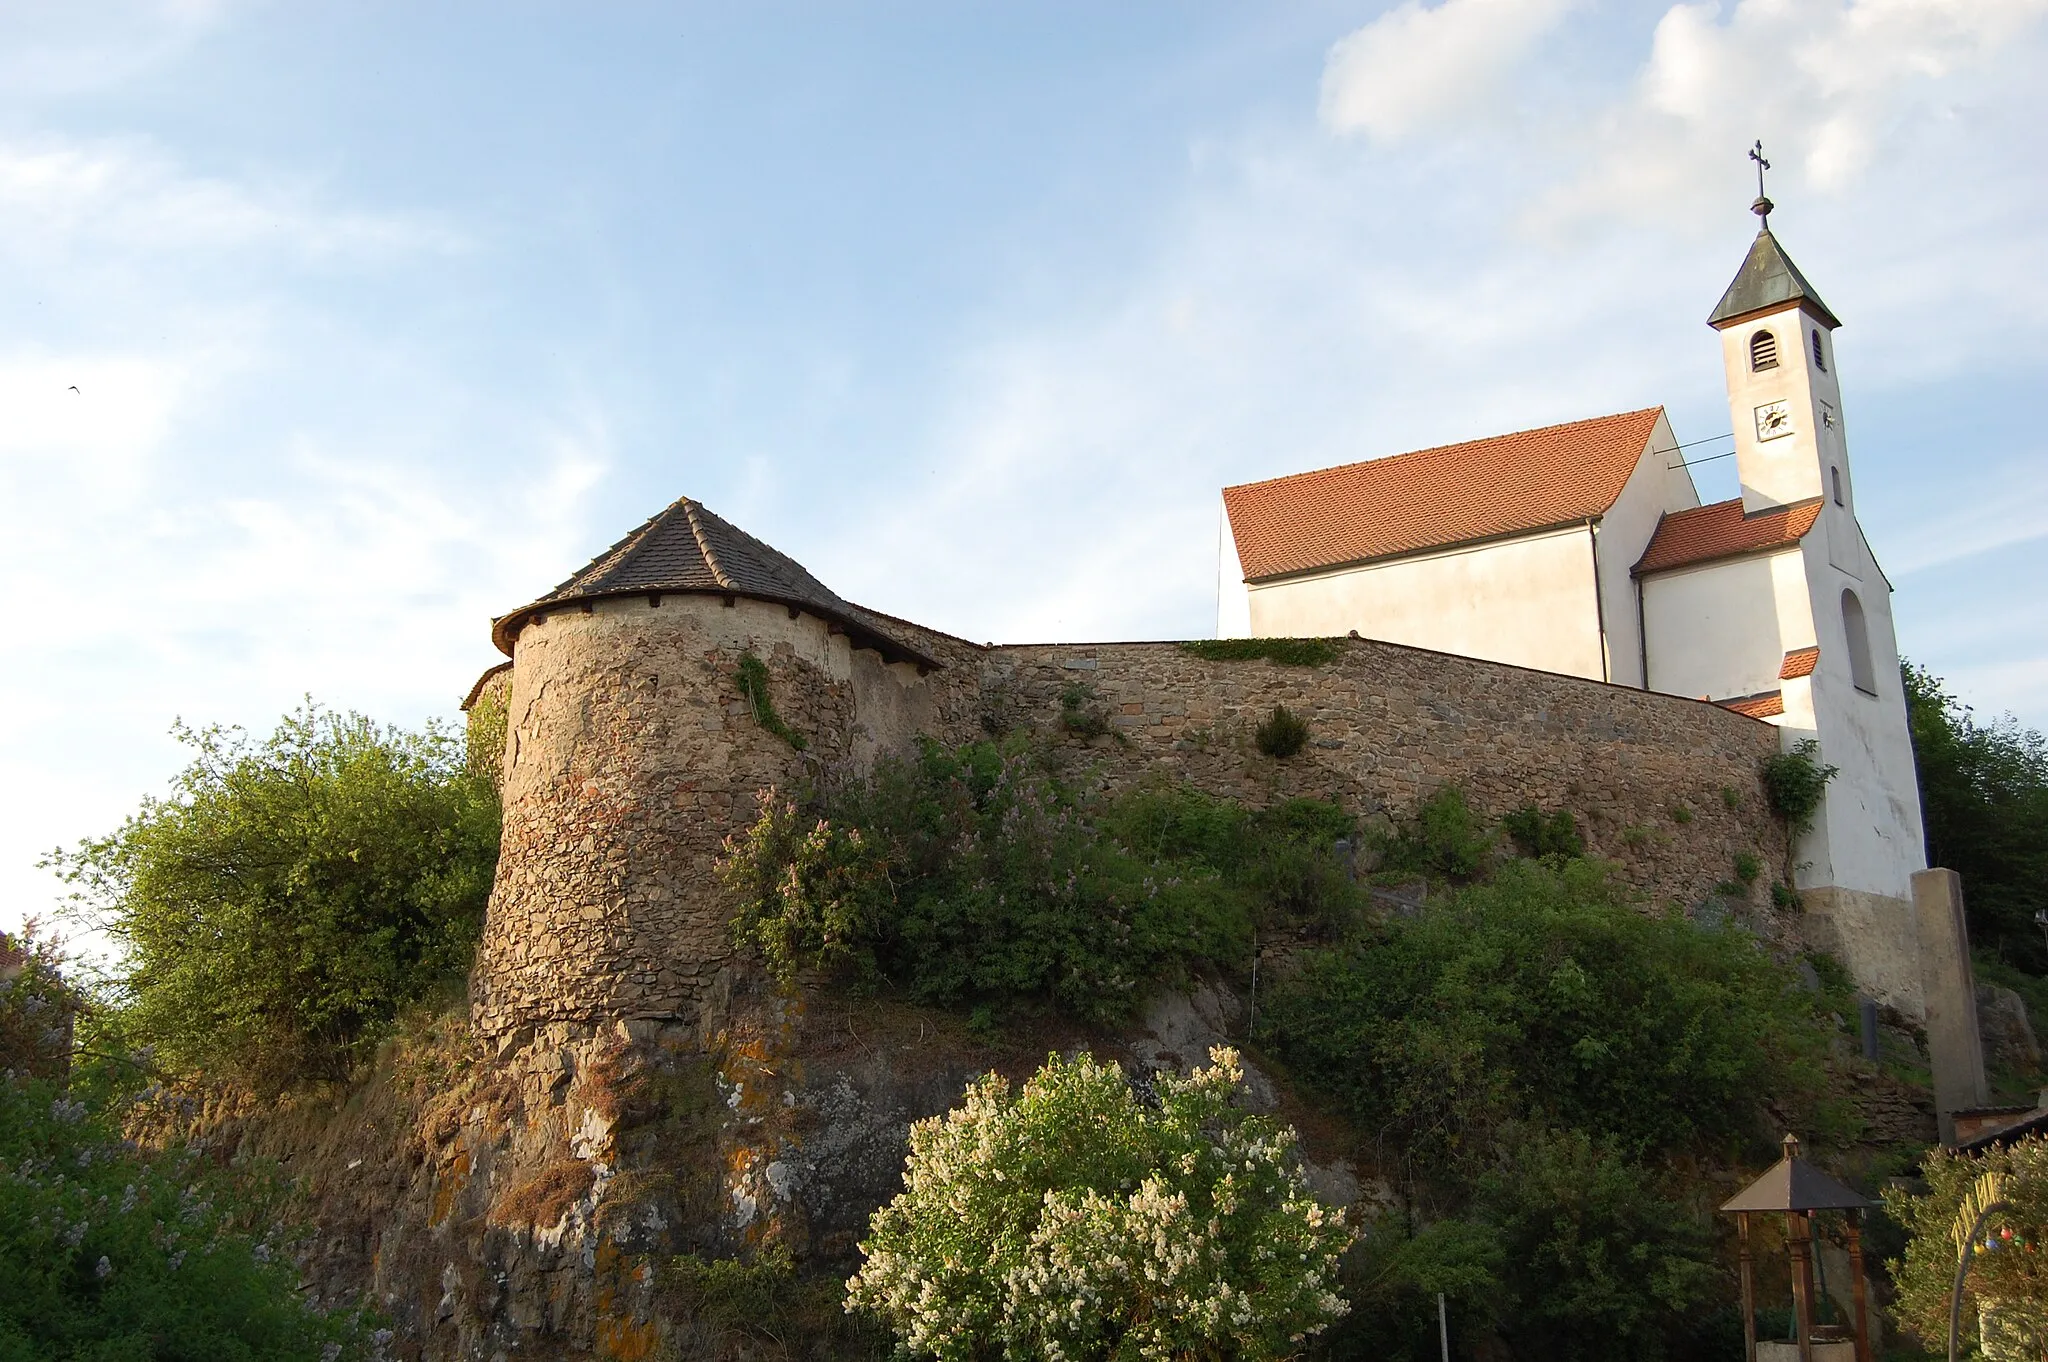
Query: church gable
x,y
1436,498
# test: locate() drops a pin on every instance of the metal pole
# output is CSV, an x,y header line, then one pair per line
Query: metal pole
x,y
1955,1308
1443,1326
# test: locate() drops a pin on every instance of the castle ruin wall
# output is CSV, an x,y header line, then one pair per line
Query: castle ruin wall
x,y
630,755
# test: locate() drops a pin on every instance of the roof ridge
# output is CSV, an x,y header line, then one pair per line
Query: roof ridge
x,y
718,572
1451,448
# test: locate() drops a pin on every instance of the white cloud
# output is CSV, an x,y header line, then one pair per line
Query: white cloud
x,y
1830,87
61,194
1414,67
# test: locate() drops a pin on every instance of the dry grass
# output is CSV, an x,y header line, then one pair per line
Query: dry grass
x,y
540,1200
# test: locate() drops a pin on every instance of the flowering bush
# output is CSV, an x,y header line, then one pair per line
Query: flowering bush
x,y
108,1252
37,1007
1071,1221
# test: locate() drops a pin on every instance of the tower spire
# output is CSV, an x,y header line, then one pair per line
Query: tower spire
x,y
1763,206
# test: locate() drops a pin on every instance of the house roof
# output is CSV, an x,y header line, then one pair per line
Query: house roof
x,y
1721,530
1434,498
1769,705
1766,282
1799,662
686,550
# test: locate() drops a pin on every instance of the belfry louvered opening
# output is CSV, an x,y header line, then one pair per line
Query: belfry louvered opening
x,y
1763,351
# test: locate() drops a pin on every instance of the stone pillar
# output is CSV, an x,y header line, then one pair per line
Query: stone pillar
x,y
1954,1046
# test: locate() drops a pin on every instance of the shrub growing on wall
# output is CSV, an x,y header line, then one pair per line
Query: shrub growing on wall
x,y
1069,1220
972,877
291,895
1282,733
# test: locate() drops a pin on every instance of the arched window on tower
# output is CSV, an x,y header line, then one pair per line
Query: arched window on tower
x,y
1861,674
1835,475
1820,361
1763,351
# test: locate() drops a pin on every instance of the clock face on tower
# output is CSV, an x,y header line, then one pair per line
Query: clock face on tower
x,y
1773,419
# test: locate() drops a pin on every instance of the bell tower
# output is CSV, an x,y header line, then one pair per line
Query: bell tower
x,y
1784,398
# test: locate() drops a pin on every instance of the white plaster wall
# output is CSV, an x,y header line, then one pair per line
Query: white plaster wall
x,y
1792,467
1659,484
1528,601
1869,836
1233,601
1722,629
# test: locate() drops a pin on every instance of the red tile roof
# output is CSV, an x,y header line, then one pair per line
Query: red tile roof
x,y
1766,706
1721,530
1799,662
1433,498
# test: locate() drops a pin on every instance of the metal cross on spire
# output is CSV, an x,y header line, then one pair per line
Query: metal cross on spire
x,y
1763,206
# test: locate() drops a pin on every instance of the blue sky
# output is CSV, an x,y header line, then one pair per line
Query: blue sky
x,y
384,318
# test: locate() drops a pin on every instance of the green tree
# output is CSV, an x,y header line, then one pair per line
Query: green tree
x,y
1547,993
291,895
1984,801
2008,1278
1072,1221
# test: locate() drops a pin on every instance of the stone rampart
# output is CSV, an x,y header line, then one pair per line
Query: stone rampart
x,y
1665,786
630,755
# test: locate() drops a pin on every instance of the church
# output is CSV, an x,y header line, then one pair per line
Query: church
x,y
1583,549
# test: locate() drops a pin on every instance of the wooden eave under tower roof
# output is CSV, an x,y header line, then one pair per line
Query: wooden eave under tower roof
x,y
1767,281
685,550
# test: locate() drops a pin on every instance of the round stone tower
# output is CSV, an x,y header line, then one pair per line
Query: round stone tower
x,y
633,748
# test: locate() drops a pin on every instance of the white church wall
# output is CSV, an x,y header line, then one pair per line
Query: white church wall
x,y
1658,485
1528,601
1868,837
1233,601
1722,630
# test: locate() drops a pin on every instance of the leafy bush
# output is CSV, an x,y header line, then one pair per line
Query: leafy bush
x,y
108,1253
292,895
1544,834
1071,1221
1597,1262
1444,838
1565,1249
37,1007
1547,995
483,735
1748,866
1081,713
722,1300
2008,1278
1794,782
752,678
971,877
1282,733
1287,652
1984,800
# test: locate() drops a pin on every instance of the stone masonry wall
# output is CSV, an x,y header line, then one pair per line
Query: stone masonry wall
x,y
630,756
1665,786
